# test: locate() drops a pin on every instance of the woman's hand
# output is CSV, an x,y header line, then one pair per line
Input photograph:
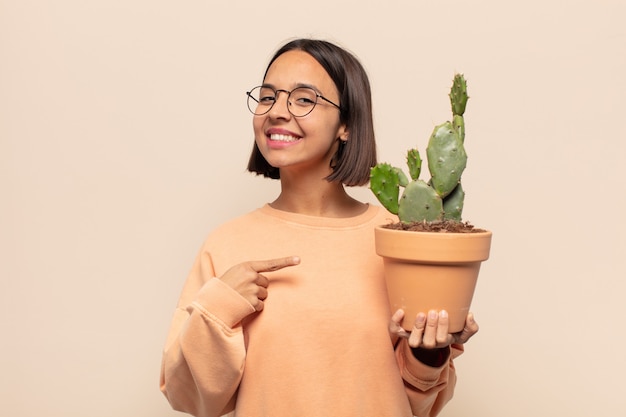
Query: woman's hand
x,y
247,278
431,331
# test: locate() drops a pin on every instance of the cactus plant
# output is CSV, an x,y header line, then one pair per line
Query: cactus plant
x,y
442,197
431,271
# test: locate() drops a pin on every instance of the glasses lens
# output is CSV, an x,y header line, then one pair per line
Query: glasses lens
x,y
261,99
301,101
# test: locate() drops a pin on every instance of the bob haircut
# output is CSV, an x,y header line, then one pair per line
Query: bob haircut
x,y
352,162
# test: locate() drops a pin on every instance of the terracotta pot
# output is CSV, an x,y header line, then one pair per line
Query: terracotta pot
x,y
426,271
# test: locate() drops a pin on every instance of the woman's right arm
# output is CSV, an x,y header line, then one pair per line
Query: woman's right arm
x,y
204,354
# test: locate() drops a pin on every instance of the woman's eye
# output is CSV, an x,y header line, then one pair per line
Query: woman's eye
x,y
305,101
267,99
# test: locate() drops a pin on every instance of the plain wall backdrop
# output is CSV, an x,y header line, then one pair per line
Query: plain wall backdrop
x,y
124,137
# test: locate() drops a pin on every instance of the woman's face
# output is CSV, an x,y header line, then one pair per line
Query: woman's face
x,y
296,144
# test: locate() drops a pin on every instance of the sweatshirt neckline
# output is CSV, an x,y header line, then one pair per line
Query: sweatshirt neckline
x,y
318,221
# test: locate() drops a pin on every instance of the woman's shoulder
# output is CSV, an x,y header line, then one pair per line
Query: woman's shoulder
x,y
382,216
239,222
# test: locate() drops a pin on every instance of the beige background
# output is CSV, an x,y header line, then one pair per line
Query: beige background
x,y
123,141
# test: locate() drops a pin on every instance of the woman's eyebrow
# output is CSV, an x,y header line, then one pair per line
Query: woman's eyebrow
x,y
297,85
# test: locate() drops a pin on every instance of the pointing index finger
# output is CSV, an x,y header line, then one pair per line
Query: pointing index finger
x,y
274,264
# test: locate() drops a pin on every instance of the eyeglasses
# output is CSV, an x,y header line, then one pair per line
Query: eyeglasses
x,y
300,101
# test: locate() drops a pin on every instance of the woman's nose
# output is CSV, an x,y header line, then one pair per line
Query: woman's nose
x,y
281,106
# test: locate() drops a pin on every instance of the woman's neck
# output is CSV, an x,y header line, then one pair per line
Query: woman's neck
x,y
317,197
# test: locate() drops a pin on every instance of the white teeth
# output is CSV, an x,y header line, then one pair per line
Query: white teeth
x,y
283,138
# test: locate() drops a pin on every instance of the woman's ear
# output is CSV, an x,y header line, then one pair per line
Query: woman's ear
x,y
343,133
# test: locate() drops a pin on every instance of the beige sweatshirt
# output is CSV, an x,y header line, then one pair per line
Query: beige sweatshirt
x,y
320,347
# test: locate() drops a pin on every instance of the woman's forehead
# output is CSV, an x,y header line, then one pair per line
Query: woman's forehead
x,y
296,68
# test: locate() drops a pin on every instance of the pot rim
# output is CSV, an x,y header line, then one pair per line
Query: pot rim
x,y
432,247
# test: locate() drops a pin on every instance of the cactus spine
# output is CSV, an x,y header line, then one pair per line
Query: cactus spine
x,y
442,197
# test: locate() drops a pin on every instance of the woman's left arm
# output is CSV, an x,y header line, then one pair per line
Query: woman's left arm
x,y
425,358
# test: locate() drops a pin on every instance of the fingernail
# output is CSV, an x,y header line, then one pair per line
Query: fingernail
x,y
432,314
443,314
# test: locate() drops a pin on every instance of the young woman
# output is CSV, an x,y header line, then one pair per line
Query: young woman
x,y
285,311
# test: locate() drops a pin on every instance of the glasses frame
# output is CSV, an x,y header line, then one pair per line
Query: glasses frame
x,y
276,91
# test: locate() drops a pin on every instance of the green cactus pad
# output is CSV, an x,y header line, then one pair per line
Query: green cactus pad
x,y
453,204
385,184
446,158
458,95
420,202
414,161
402,179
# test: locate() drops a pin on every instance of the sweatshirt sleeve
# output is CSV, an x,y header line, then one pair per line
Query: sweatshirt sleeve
x,y
204,354
428,388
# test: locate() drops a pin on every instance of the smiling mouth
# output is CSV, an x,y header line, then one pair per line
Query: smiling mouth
x,y
283,138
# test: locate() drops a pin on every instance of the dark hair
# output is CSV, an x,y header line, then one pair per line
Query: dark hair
x,y
352,162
